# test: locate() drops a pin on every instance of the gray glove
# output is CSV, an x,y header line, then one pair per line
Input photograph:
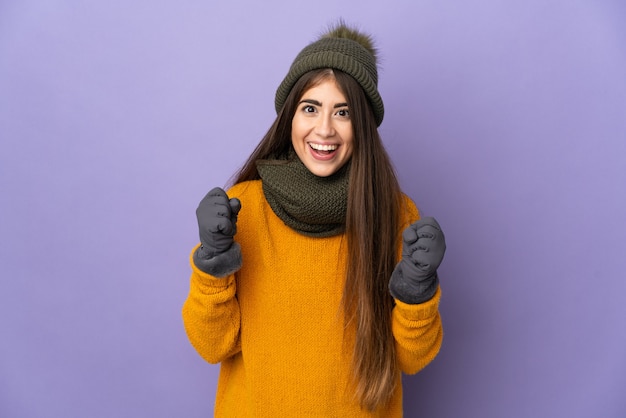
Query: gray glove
x,y
217,224
415,279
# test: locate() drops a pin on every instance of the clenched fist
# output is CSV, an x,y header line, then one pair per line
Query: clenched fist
x,y
217,222
415,278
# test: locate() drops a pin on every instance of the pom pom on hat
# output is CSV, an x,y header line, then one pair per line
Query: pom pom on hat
x,y
341,30
341,48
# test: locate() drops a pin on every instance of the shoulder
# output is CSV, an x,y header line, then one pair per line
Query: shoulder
x,y
250,194
409,212
247,190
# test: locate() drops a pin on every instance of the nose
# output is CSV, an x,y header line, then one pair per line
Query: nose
x,y
324,126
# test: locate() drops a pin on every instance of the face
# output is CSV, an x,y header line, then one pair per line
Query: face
x,y
321,129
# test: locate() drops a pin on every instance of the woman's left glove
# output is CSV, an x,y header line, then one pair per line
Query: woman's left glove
x,y
218,254
414,279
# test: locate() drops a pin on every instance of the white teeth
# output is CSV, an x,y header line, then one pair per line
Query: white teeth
x,y
321,147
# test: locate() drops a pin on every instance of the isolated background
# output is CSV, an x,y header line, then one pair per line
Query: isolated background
x,y
505,119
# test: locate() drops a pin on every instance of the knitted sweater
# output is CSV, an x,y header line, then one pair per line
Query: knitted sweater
x,y
277,325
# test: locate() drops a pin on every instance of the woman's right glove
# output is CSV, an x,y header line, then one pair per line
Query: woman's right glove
x,y
415,279
218,254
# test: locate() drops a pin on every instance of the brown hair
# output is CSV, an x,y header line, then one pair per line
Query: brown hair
x,y
372,225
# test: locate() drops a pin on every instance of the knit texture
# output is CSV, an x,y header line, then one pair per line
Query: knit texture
x,y
312,205
342,54
277,325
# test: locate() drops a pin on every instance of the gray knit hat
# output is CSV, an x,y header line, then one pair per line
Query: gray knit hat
x,y
344,49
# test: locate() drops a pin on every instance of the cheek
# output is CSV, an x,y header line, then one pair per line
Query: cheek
x,y
348,142
349,150
297,130
294,133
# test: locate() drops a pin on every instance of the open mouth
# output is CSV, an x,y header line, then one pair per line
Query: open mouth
x,y
323,149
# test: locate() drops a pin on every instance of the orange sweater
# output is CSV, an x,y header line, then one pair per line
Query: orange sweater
x,y
277,325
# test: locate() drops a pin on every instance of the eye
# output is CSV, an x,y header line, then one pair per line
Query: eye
x,y
344,113
308,109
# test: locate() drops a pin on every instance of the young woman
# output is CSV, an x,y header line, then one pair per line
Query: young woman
x,y
315,283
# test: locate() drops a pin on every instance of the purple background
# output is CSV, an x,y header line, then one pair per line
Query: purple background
x,y
505,120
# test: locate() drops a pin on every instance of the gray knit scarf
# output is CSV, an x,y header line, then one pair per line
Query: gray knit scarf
x,y
314,206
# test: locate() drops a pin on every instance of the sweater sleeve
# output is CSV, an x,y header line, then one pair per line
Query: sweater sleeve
x,y
418,333
417,328
211,315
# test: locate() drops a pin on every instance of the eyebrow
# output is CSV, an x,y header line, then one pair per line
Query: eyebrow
x,y
316,103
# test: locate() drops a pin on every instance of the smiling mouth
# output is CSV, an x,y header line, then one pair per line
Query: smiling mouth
x,y
323,149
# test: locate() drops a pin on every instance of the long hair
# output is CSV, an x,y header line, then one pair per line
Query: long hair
x,y
372,225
